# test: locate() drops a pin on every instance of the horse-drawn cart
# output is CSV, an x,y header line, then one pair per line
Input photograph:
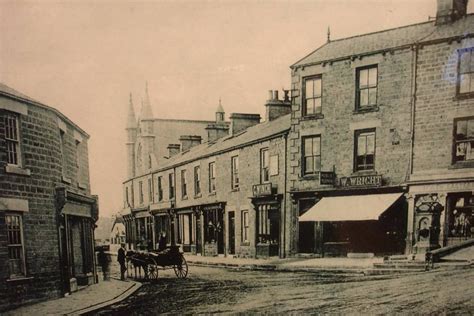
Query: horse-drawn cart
x,y
153,261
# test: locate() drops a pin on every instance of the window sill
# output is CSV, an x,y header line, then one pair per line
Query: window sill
x,y
20,279
364,173
184,198
235,190
462,164
197,196
464,96
82,185
366,110
17,170
66,180
212,193
310,177
312,117
247,243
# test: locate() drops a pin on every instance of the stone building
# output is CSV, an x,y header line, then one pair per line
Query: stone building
x,y
223,196
380,138
47,213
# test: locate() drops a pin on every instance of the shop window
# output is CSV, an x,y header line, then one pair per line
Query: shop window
x,y
197,180
264,166
366,87
184,185
311,155
171,185
160,188
212,177
15,245
185,226
267,225
364,150
235,172
460,215
245,226
312,94
463,140
466,72
212,225
162,227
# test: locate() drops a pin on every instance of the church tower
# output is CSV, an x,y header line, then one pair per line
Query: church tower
x,y
146,144
131,129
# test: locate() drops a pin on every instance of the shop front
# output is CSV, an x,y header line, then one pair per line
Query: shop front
x,y
213,229
267,205
185,229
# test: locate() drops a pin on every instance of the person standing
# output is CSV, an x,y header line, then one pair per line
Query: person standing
x,y
121,260
103,262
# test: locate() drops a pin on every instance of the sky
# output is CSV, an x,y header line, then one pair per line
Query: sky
x,y
85,58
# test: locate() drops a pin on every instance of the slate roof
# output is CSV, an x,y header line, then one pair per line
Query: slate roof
x,y
388,39
252,134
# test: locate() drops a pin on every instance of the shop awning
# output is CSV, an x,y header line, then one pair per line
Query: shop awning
x,y
350,208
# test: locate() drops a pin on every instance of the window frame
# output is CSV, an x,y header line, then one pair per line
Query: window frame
x,y
264,170
357,134
455,141
160,188
21,245
468,94
245,227
212,177
15,141
140,192
184,184
317,97
369,106
171,185
303,155
150,189
197,180
234,167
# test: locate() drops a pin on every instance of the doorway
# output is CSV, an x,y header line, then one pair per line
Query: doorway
x,y
232,233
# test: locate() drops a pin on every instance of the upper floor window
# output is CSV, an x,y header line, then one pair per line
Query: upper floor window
x,y
140,191
15,245
150,190
466,71
197,180
364,150
212,177
311,154
160,188
264,165
235,172
366,87
312,96
12,138
127,200
464,139
171,185
184,186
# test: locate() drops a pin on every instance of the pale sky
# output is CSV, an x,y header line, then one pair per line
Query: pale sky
x,y
85,57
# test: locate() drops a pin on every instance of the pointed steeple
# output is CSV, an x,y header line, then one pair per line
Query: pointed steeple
x,y
131,120
220,112
146,112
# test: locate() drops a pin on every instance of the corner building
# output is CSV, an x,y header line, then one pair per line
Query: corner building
x,y
380,139
47,213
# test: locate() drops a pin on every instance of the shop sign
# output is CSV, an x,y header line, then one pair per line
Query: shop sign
x,y
262,189
361,181
326,178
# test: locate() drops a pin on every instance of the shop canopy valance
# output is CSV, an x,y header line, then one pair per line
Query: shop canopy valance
x,y
350,208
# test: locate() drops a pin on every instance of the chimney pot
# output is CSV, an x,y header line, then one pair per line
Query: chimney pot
x,y
276,95
270,95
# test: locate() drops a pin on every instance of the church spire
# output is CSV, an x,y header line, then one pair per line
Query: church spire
x,y
146,112
131,120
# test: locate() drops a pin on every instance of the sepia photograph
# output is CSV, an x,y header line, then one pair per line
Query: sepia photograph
x,y
236,157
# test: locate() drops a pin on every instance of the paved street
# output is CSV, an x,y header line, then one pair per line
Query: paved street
x,y
218,290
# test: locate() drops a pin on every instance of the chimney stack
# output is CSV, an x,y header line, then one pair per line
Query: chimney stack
x,y
276,108
450,10
242,121
216,131
173,149
189,141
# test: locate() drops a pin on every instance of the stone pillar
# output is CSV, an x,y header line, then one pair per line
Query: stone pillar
x,y
410,223
443,200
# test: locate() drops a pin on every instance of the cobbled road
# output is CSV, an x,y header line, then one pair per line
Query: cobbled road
x,y
219,290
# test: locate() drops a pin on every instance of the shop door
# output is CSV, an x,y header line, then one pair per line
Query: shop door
x,y
307,238
232,233
220,233
198,235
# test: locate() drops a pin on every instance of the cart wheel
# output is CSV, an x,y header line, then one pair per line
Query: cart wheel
x,y
152,271
181,269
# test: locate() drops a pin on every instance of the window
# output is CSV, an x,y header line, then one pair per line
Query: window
x,y
264,166
366,87
464,139
197,180
212,177
466,71
62,135
150,190
127,201
274,165
235,172
311,155
185,226
184,189
16,253
12,138
364,150
245,226
267,224
312,96
160,188
140,191
171,185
